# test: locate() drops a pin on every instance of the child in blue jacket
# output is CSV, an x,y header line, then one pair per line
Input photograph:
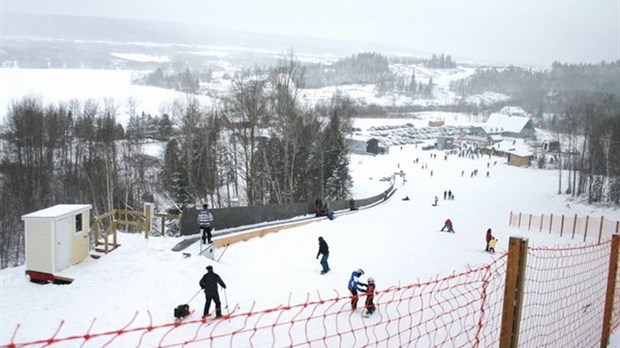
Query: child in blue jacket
x,y
355,285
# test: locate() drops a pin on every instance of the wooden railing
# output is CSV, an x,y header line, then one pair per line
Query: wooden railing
x,y
107,224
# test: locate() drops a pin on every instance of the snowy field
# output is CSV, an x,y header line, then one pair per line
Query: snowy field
x,y
396,243
64,85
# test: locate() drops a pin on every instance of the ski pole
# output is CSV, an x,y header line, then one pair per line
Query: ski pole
x,y
196,294
226,300
222,254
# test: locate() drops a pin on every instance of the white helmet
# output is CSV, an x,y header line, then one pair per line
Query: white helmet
x,y
371,280
360,271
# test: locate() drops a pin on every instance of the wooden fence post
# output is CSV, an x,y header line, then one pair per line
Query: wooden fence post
x,y
585,233
562,226
611,287
617,227
550,223
519,225
513,292
542,218
600,229
510,219
574,226
529,224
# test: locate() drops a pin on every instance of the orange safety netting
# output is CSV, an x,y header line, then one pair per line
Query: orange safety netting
x,y
563,304
460,310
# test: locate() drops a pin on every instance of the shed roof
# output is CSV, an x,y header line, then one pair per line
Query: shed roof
x,y
56,212
520,151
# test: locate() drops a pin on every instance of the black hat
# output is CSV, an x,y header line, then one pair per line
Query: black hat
x,y
209,268
205,206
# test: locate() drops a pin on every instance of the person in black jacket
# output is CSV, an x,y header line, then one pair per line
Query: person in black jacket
x,y
209,283
323,249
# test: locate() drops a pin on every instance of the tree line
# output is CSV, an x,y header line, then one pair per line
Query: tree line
x,y
589,131
544,91
259,143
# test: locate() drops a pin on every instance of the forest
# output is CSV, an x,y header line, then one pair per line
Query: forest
x,y
544,91
259,144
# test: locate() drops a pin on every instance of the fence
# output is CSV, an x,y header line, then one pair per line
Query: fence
x,y
597,228
106,225
527,297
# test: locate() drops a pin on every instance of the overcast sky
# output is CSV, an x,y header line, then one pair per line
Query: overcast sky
x,y
534,32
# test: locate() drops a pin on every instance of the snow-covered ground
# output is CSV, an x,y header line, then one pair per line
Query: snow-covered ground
x,y
396,243
63,85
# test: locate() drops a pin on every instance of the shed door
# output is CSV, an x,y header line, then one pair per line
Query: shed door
x,y
62,232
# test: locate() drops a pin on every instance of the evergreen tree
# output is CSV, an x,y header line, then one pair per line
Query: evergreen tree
x,y
413,86
164,127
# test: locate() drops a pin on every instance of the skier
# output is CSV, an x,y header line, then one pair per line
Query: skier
x,y
447,225
205,222
489,236
492,244
323,249
209,283
436,200
370,296
355,286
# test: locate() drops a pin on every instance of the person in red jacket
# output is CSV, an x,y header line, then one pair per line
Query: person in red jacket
x,y
488,238
370,296
447,225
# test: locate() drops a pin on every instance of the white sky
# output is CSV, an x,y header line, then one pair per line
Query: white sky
x,y
527,32
396,243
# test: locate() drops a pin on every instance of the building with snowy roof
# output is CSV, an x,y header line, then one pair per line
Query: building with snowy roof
x,y
510,126
363,145
519,157
56,238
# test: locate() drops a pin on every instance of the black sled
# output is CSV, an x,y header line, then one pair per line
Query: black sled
x,y
181,311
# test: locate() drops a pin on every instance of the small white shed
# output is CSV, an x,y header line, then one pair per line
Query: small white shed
x,y
56,237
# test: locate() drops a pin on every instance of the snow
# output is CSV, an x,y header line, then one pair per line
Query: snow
x,y
498,123
57,211
141,57
82,85
115,85
396,243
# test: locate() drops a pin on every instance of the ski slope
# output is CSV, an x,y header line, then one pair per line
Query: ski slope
x,y
397,242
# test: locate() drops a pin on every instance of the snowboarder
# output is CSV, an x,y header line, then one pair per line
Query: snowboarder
x,y
205,222
489,236
436,200
445,194
323,249
209,283
370,296
447,225
492,244
355,286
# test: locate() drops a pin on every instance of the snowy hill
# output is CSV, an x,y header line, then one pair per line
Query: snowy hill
x,y
396,242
